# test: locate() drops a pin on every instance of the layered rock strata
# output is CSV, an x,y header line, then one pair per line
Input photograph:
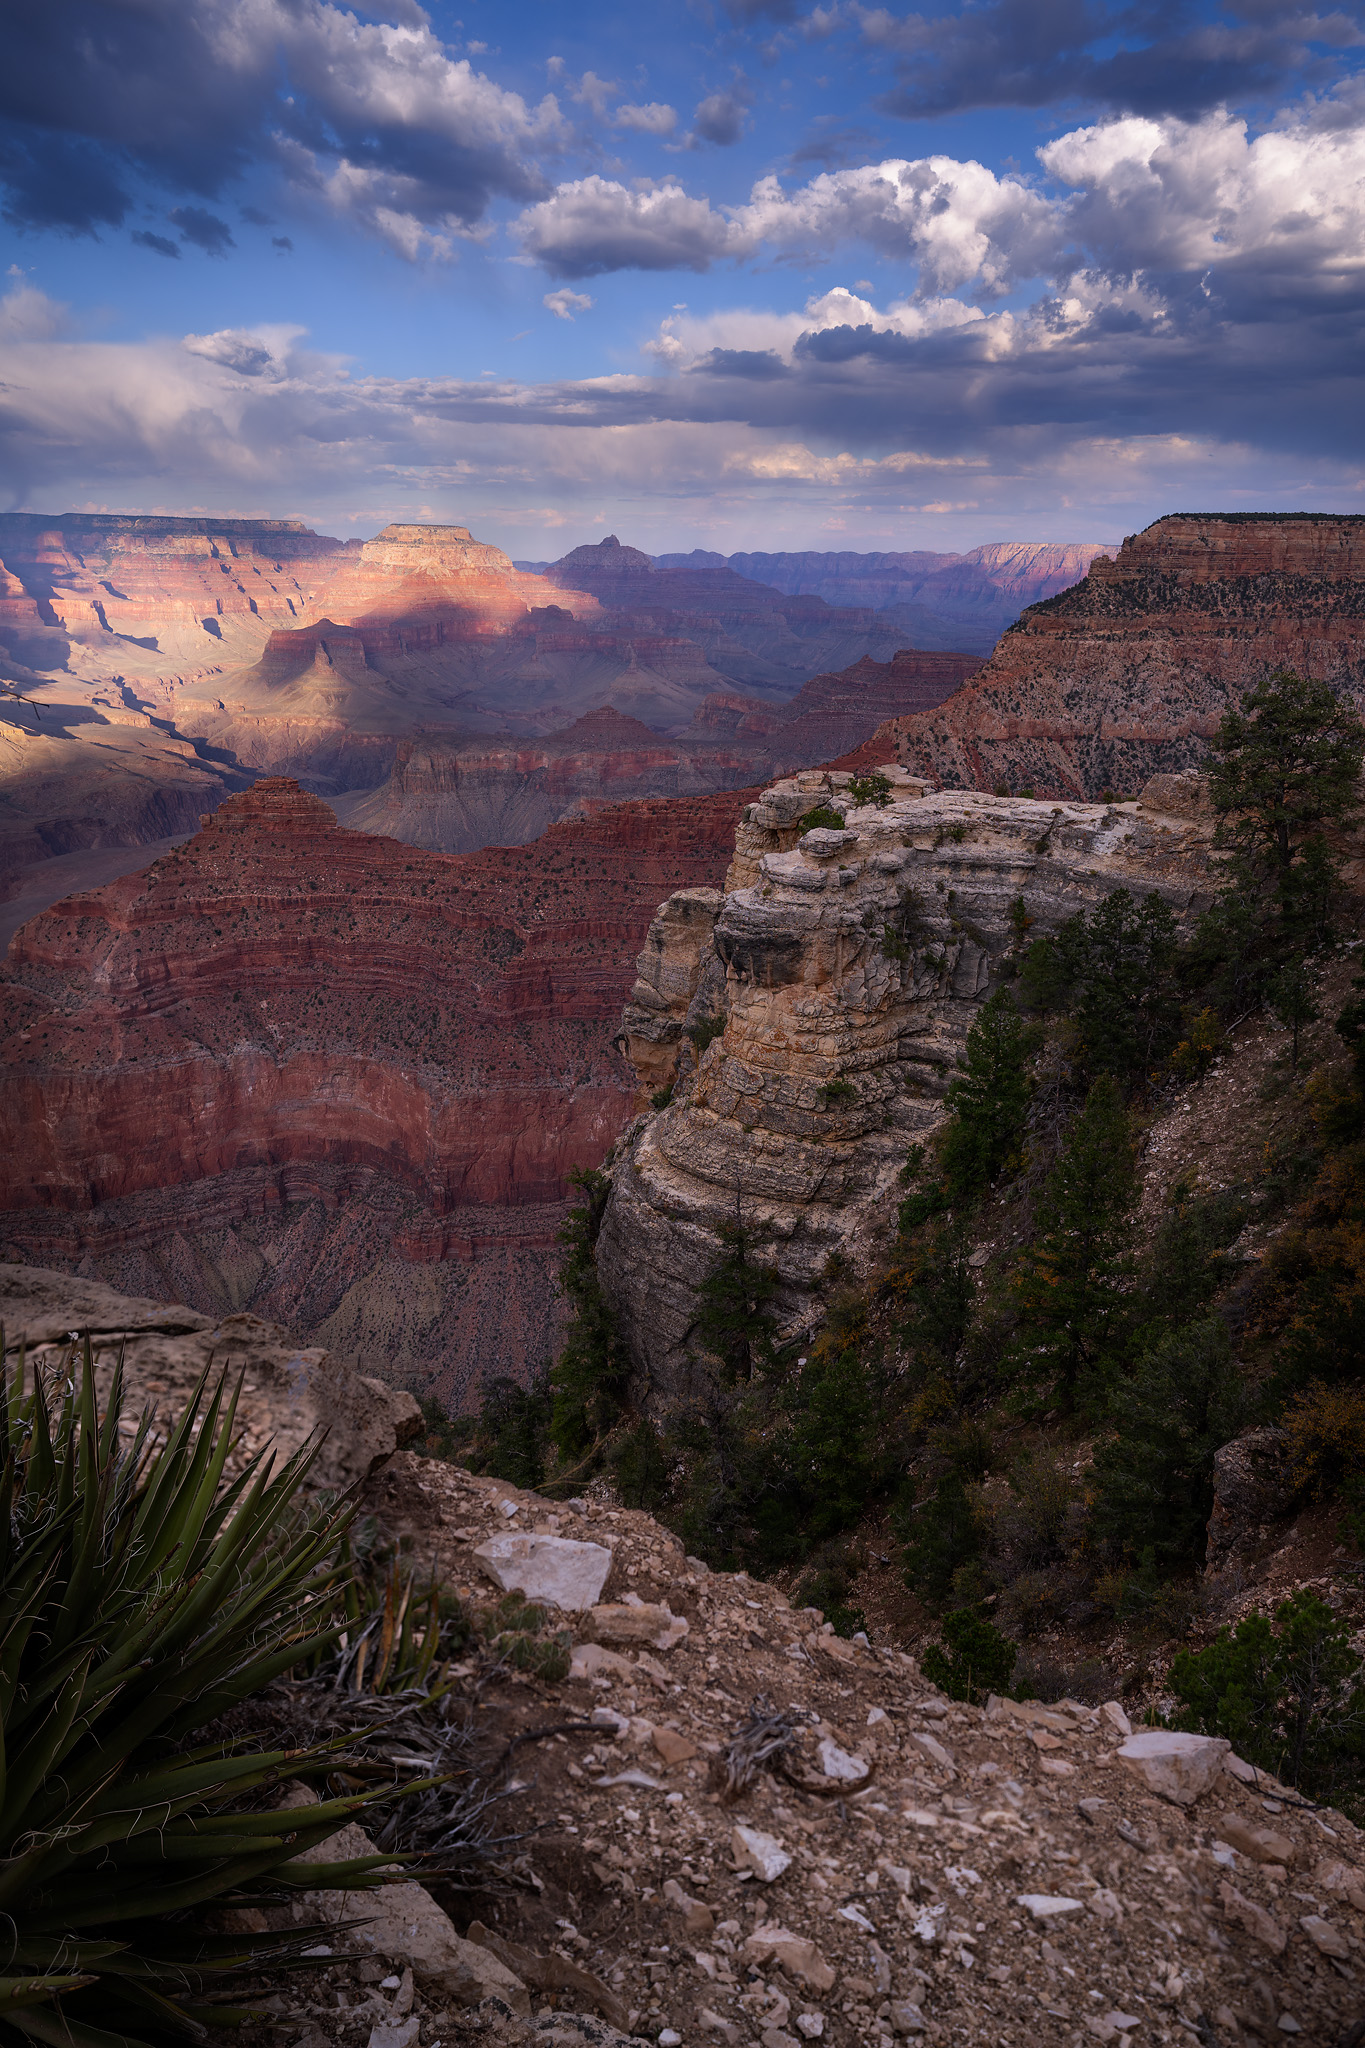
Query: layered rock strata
x,y
505,791
847,966
1127,674
300,1068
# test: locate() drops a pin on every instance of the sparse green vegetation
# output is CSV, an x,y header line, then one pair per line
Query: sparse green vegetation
x,y
824,818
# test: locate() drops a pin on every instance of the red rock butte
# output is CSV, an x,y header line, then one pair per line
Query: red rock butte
x,y
1127,674
281,1013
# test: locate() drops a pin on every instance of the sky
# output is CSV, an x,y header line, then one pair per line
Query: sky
x,y
755,275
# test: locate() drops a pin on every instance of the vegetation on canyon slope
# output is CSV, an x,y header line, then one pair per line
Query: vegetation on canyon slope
x,y
1041,1427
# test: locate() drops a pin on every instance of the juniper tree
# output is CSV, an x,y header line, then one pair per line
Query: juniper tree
x,y
1072,1281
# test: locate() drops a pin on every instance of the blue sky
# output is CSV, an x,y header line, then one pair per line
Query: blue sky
x,y
766,276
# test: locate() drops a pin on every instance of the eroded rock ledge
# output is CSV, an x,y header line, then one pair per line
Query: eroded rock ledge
x,y
847,966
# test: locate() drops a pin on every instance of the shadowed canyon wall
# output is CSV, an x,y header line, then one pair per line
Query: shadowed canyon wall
x,y
332,1077
1127,674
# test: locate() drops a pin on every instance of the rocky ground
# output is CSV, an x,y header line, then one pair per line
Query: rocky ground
x,y
903,1867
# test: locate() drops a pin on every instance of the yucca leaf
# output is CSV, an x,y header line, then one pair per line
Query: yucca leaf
x,y
62,2031
17,1991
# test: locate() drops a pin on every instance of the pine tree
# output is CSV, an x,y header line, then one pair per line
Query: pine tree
x,y
989,1099
735,1320
1287,763
591,1379
1072,1281
1153,1478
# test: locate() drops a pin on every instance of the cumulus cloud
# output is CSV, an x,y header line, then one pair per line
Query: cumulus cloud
x,y
592,225
190,94
564,303
244,353
652,118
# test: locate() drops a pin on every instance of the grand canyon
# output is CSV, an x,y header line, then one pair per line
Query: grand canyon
x,y
335,1055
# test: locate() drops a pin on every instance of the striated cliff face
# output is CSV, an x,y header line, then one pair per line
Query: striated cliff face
x,y
1127,674
848,966
506,791
302,1069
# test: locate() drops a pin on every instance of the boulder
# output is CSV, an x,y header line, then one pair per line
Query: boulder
x,y
837,1763
1251,1488
555,1571
635,1623
1178,1767
404,1923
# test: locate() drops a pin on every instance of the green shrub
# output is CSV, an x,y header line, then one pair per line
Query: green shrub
x,y
143,1596
872,788
734,1323
1289,1698
1325,1426
838,1091
974,1658
661,1097
828,1586
509,1438
823,818
705,1032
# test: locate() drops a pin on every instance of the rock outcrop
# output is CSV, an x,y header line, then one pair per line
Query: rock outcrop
x,y
290,1398
846,966
1126,675
302,1069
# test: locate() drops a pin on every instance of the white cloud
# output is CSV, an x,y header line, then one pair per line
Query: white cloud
x,y
594,224
652,118
27,314
564,303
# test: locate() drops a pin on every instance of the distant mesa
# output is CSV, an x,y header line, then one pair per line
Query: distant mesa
x,y
1126,674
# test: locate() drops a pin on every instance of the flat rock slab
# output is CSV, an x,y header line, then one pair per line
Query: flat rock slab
x,y
1181,1768
555,1570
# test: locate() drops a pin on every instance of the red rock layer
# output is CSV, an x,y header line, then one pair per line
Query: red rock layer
x,y
1126,674
281,1012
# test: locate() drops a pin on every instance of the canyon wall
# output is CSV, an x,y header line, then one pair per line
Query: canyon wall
x,y
1127,674
504,792
257,647
847,966
331,1077
936,600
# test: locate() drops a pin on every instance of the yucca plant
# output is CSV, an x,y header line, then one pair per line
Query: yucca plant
x,y
143,1593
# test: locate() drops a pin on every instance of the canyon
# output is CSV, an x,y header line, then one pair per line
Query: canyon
x,y
939,600
846,966
223,649
318,1073
1126,674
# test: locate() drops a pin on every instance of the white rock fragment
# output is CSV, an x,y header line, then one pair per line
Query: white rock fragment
x,y
1326,1939
933,1749
554,1569
763,1854
395,2033
811,2024
1113,1713
793,1954
636,1623
1177,1767
1047,1905
837,1763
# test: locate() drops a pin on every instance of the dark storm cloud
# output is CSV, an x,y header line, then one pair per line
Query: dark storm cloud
x,y
720,117
1037,53
204,229
96,95
161,244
